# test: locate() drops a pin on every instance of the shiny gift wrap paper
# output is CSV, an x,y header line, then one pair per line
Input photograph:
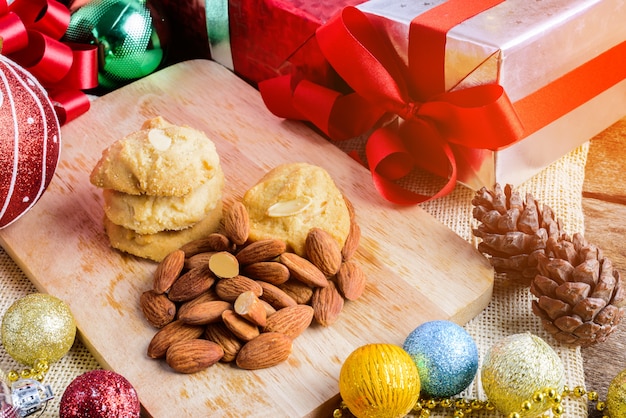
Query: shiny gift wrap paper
x,y
526,46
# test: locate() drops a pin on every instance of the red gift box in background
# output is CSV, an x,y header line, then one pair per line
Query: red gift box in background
x,y
265,39
271,38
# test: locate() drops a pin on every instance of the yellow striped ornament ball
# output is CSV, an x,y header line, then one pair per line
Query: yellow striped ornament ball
x,y
379,380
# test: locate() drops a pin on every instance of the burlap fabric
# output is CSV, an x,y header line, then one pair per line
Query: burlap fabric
x,y
559,186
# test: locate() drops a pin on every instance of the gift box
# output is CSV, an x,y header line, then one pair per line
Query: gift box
x,y
572,50
559,65
260,39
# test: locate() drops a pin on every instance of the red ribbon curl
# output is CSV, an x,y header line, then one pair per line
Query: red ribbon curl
x,y
430,118
31,31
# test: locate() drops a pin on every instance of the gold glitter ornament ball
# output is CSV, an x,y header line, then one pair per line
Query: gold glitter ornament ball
x,y
515,368
616,396
379,381
38,327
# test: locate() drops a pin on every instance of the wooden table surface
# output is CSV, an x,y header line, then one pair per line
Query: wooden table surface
x,y
604,208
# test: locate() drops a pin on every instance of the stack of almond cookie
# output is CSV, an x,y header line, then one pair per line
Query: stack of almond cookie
x,y
162,187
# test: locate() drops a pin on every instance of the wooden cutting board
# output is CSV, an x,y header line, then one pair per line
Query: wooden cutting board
x,y
417,268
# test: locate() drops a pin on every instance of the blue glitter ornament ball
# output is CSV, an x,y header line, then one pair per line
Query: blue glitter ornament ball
x,y
446,357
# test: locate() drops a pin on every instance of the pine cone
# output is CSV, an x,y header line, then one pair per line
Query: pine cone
x,y
513,231
580,297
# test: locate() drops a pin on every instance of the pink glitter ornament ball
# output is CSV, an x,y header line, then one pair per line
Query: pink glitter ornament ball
x,y
99,394
30,141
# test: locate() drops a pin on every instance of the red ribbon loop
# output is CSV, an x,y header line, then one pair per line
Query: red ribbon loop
x,y
32,32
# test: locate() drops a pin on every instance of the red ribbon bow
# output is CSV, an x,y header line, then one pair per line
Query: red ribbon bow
x,y
431,118
31,31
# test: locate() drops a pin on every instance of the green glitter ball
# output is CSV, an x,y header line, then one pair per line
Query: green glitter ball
x,y
38,327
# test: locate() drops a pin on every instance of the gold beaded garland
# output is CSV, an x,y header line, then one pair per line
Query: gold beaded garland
x,y
459,407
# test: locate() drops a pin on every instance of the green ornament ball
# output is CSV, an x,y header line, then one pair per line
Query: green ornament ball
x,y
131,35
616,396
38,327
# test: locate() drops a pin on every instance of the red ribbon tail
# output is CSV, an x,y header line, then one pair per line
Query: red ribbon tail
x,y
476,117
277,94
390,159
69,104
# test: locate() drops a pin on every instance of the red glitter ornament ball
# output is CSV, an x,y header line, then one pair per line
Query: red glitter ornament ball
x,y
99,394
30,141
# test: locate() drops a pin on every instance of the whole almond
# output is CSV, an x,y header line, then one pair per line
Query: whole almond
x,y
327,304
192,284
303,270
299,291
157,308
211,243
350,280
230,289
241,327
269,271
169,334
275,296
352,241
205,313
198,260
168,270
220,334
192,356
266,350
237,223
207,296
323,251
250,307
262,250
291,321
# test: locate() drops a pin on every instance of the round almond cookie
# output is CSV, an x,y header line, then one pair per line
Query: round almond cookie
x,y
160,159
293,198
157,246
146,214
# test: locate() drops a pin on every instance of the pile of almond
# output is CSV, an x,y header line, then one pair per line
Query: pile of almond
x,y
222,298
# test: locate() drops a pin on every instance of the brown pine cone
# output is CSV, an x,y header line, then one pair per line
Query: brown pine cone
x,y
513,231
580,297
